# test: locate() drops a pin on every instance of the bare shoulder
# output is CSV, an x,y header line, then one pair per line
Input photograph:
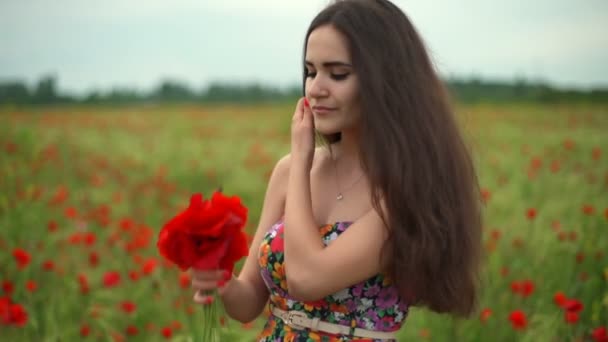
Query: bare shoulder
x,y
281,168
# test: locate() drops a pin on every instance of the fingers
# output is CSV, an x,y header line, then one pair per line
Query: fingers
x,y
209,275
206,285
299,112
200,298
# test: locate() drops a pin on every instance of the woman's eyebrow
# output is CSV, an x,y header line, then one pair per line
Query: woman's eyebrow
x,y
331,64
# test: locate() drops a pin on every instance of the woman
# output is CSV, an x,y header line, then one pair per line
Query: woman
x,y
385,215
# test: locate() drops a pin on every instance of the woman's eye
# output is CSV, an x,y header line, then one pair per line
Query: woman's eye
x,y
339,77
311,74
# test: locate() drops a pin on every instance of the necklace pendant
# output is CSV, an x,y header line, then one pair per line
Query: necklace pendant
x,y
339,197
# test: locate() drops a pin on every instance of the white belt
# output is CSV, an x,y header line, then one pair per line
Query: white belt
x,y
299,320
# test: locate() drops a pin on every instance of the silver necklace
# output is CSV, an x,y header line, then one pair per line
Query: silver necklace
x,y
340,195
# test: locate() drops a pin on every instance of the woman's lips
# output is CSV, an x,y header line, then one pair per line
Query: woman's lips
x,y
322,109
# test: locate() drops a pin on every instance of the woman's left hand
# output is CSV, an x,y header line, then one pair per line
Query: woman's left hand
x,y
302,136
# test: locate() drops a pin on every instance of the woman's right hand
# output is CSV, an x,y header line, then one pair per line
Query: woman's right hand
x,y
205,282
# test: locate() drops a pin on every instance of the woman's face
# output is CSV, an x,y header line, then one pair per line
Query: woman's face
x,y
331,82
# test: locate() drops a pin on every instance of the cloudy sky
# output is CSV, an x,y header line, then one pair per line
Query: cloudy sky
x,y
137,43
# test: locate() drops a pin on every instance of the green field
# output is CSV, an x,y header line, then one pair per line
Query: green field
x,y
85,190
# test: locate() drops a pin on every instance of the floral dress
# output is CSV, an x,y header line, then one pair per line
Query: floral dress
x,y
373,304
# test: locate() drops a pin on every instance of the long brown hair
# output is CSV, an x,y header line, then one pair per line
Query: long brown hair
x,y
415,157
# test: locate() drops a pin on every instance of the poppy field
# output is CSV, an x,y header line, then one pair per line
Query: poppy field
x,y
84,192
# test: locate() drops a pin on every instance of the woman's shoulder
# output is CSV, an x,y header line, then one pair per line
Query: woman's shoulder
x,y
319,159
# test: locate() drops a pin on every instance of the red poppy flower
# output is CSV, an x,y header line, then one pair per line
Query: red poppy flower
x,y
167,332
531,213
128,306
573,305
52,226
93,259
184,280
518,320
485,315
7,287
18,315
571,317
48,265
132,330
111,279
527,287
600,334
207,235
85,330
84,283
149,266
133,275
21,257
31,286
588,209
560,299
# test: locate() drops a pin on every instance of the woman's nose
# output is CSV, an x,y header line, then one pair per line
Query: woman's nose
x,y
317,87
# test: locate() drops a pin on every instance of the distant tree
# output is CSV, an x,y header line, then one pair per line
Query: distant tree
x,y
14,92
170,90
46,90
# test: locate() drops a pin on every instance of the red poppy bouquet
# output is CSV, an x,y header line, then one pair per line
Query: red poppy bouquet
x,y
208,235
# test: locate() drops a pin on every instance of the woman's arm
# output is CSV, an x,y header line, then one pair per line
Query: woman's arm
x,y
314,271
245,296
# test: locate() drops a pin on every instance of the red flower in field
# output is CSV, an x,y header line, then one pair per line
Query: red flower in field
x,y
485,315
134,275
31,286
61,194
12,313
85,330
21,257
70,212
90,238
84,283
111,279
128,306
571,317
48,265
518,320
176,325
52,226
485,194
600,334
132,330
149,266
93,259
531,213
573,305
568,144
515,287
18,315
580,257
524,288
560,299
207,235
184,280
7,287
606,213
527,287
588,209
5,304
167,332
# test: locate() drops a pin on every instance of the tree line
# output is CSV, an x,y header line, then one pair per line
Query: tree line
x,y
463,90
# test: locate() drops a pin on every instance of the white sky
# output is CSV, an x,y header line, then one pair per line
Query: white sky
x,y
136,43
